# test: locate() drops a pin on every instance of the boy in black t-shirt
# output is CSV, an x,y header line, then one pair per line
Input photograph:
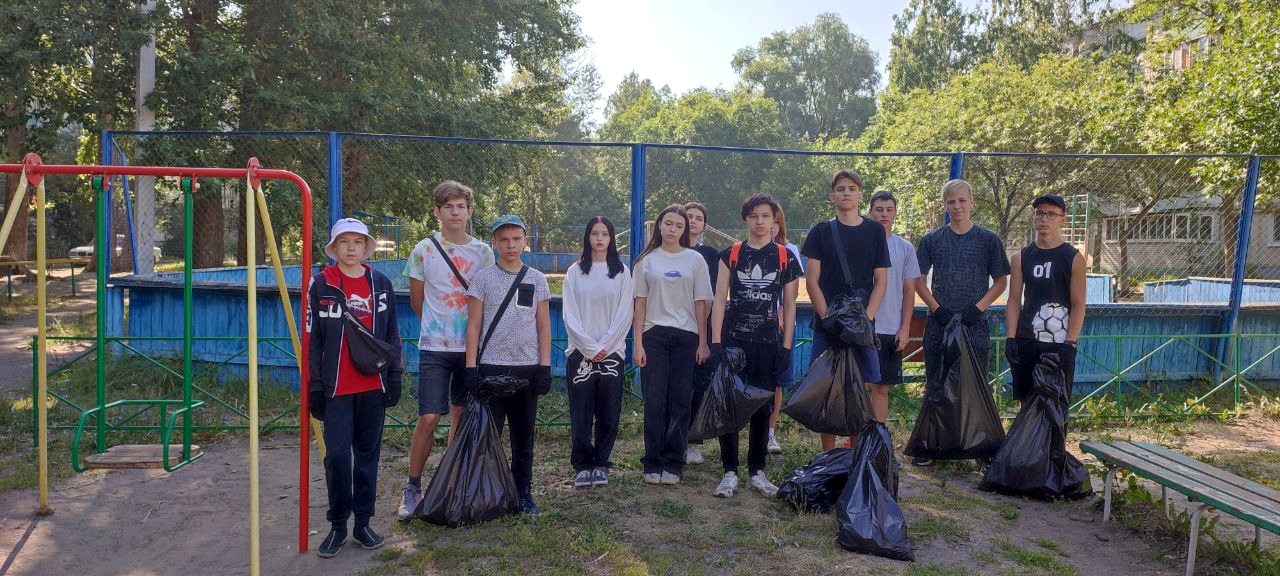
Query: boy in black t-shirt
x,y
1046,305
754,277
867,255
698,221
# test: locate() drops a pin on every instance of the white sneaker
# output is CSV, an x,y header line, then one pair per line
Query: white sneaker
x,y
693,455
409,503
774,447
653,478
762,484
669,478
728,485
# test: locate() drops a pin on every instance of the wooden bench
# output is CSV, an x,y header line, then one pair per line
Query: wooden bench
x,y
1205,487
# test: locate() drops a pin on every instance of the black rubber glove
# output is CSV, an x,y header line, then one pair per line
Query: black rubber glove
x,y
542,380
972,315
943,314
781,362
717,355
392,395
1012,353
315,403
471,379
1066,356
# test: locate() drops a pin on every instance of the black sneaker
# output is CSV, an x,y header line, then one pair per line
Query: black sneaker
x,y
368,539
528,506
333,542
922,461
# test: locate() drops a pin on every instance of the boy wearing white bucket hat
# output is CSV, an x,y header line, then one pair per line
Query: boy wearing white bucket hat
x,y
355,377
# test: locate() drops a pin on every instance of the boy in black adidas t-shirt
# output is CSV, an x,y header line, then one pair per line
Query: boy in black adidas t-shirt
x,y
1045,312
754,276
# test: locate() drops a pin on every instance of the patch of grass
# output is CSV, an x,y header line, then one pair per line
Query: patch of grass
x,y
1028,558
1051,546
935,569
668,508
932,526
953,501
1261,466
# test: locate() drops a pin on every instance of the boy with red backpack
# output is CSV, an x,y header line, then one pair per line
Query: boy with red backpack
x,y
754,277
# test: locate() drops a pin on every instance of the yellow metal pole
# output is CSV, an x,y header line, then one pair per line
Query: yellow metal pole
x,y
251,283
274,250
11,214
42,353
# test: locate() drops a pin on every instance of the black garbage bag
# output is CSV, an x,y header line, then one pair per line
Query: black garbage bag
x,y
729,402
831,399
847,320
816,486
870,521
1034,460
958,418
473,482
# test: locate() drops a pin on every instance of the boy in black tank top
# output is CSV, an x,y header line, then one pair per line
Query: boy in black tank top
x,y
1046,307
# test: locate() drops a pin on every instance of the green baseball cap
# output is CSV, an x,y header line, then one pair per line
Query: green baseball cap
x,y
507,220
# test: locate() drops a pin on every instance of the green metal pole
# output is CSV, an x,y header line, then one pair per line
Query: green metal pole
x,y
1119,384
1235,368
102,245
188,224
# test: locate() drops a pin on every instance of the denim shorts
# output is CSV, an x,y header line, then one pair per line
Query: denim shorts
x,y
868,357
440,381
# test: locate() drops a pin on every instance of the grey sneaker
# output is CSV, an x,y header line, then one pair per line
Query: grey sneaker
x,y
693,455
762,484
653,478
600,477
728,485
669,478
583,478
409,504
774,447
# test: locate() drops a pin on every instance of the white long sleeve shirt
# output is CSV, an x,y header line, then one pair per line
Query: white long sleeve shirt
x,y
597,309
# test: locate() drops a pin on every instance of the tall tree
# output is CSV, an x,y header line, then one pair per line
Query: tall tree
x,y
931,40
822,76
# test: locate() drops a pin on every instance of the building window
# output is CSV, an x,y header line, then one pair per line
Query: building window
x,y
1167,227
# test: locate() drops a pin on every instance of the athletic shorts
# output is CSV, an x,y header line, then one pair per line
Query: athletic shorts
x,y
890,359
441,381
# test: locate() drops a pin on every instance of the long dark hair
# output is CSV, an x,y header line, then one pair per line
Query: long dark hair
x,y
611,253
655,237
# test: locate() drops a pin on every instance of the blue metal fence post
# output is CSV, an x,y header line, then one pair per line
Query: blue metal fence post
x,y
1231,324
335,177
637,200
108,159
956,171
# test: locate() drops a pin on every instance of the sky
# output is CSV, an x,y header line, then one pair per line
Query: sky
x,y
690,43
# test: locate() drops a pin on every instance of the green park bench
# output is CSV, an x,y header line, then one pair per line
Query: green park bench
x,y
1205,487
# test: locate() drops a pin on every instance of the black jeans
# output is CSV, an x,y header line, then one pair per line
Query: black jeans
x,y
667,385
353,442
701,380
520,410
595,398
759,373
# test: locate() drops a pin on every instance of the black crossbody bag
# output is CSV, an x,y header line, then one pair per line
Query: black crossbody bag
x,y
369,354
447,260
502,384
847,316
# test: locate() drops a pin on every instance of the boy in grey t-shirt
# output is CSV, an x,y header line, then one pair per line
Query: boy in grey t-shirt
x,y
519,345
893,323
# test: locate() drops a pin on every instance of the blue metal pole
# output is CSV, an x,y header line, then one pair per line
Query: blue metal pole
x,y
335,178
956,171
637,200
107,241
1243,235
128,214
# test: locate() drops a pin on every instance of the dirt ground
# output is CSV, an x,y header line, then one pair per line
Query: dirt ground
x,y
195,521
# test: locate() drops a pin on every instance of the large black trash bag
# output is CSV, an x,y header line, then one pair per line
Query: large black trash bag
x,y
729,402
868,514
831,399
958,418
473,482
816,486
1034,460
847,320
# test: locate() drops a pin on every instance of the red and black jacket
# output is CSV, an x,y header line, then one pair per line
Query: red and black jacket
x,y
324,322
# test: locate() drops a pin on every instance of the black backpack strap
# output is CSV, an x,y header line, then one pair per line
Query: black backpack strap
x,y
449,261
515,285
840,255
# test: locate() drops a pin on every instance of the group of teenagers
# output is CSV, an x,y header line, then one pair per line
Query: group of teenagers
x,y
683,303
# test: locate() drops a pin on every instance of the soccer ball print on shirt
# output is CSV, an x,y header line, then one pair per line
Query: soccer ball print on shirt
x,y
1050,323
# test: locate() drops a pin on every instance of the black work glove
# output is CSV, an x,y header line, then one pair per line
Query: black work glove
x,y
471,379
943,314
315,402
972,315
1012,352
542,380
1066,356
717,355
781,362
391,396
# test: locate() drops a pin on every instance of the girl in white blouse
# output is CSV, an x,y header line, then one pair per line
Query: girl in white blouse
x,y
597,316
